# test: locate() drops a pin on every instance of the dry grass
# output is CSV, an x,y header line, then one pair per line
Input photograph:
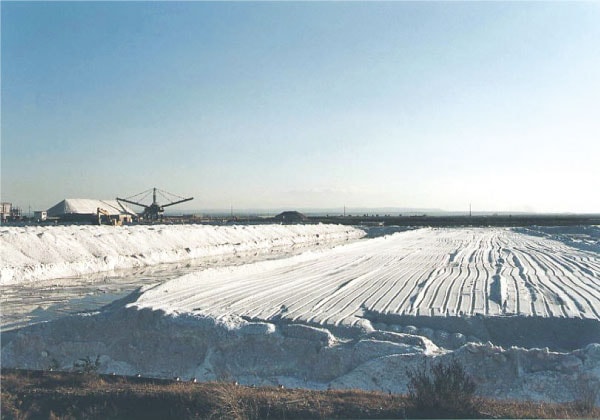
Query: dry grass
x,y
58,395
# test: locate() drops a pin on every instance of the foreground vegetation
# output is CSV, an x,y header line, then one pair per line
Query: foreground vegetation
x,y
39,394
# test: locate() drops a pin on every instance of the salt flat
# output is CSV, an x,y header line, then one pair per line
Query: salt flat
x,y
426,272
519,308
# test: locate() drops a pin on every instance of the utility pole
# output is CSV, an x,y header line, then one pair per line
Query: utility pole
x,y
470,214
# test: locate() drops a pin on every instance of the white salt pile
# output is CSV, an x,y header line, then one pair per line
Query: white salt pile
x,y
45,252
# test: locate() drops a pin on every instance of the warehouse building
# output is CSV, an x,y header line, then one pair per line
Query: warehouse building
x,y
86,210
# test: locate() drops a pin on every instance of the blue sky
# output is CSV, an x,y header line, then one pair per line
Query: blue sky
x,y
272,105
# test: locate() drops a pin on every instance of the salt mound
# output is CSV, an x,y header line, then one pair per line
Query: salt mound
x,y
128,340
45,252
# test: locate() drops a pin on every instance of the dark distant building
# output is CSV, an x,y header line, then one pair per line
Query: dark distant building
x,y
291,217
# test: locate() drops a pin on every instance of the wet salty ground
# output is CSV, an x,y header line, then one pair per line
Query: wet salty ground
x,y
45,300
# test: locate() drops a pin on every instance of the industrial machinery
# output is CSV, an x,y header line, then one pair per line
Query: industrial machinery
x,y
154,211
115,221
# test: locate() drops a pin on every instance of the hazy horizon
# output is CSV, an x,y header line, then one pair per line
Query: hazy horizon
x,y
304,105
356,211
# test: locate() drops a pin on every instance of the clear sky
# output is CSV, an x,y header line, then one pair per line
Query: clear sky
x,y
276,104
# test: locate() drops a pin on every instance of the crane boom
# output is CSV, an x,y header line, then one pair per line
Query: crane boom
x,y
178,202
154,210
131,202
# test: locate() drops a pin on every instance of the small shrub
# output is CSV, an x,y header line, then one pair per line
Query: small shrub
x,y
86,365
231,402
54,365
441,391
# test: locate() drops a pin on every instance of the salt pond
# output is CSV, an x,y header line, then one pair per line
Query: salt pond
x,y
519,308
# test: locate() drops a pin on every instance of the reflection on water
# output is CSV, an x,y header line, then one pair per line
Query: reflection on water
x,y
41,301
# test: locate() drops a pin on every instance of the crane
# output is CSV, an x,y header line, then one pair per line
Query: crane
x,y
153,211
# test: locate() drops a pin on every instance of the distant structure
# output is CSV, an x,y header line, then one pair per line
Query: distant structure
x,y
5,209
154,211
40,216
86,210
9,213
291,217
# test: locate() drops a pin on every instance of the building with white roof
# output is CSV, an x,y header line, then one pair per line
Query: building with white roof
x,y
86,210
